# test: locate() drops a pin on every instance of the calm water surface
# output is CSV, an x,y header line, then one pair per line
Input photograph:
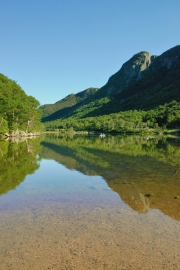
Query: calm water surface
x,y
90,203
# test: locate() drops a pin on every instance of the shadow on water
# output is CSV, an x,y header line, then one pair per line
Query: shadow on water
x,y
17,159
145,172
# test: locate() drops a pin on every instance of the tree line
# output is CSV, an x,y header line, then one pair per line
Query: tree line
x,y
163,117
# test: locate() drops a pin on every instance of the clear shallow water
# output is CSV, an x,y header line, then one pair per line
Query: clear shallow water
x,y
90,204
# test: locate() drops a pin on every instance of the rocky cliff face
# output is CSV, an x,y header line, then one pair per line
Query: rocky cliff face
x,y
170,58
139,66
130,72
133,68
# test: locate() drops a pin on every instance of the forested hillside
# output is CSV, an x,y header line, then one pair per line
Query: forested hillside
x,y
67,103
144,93
19,113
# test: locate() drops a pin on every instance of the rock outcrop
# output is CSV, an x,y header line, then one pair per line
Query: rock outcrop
x,y
140,65
130,72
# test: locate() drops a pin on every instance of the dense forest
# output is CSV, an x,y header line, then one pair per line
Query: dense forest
x,y
19,113
163,117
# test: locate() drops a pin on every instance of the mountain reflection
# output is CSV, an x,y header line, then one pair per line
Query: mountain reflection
x,y
17,159
145,172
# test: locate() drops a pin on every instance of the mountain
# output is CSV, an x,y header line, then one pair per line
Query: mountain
x,y
142,65
67,102
144,82
154,85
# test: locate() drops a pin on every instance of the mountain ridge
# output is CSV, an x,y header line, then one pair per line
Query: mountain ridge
x,y
144,82
67,102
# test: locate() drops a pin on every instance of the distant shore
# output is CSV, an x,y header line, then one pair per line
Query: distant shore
x,y
175,131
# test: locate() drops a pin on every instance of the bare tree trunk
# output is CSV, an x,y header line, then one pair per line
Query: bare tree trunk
x,y
1,122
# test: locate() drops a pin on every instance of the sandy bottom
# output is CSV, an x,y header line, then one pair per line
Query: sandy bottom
x,y
85,233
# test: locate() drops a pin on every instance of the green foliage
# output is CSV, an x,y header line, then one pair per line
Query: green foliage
x,y
17,110
166,116
3,126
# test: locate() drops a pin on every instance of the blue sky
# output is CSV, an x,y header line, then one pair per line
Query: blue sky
x,y
53,48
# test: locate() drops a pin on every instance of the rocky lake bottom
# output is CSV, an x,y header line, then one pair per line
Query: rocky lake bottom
x,y
90,203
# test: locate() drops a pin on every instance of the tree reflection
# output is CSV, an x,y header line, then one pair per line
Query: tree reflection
x,y
17,159
143,171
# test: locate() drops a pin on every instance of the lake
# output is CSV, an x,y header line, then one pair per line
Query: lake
x,y
85,202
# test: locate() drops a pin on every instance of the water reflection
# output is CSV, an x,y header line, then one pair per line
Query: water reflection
x,y
145,172
17,159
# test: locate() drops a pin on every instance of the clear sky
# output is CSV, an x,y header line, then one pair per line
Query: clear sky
x,y
53,48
